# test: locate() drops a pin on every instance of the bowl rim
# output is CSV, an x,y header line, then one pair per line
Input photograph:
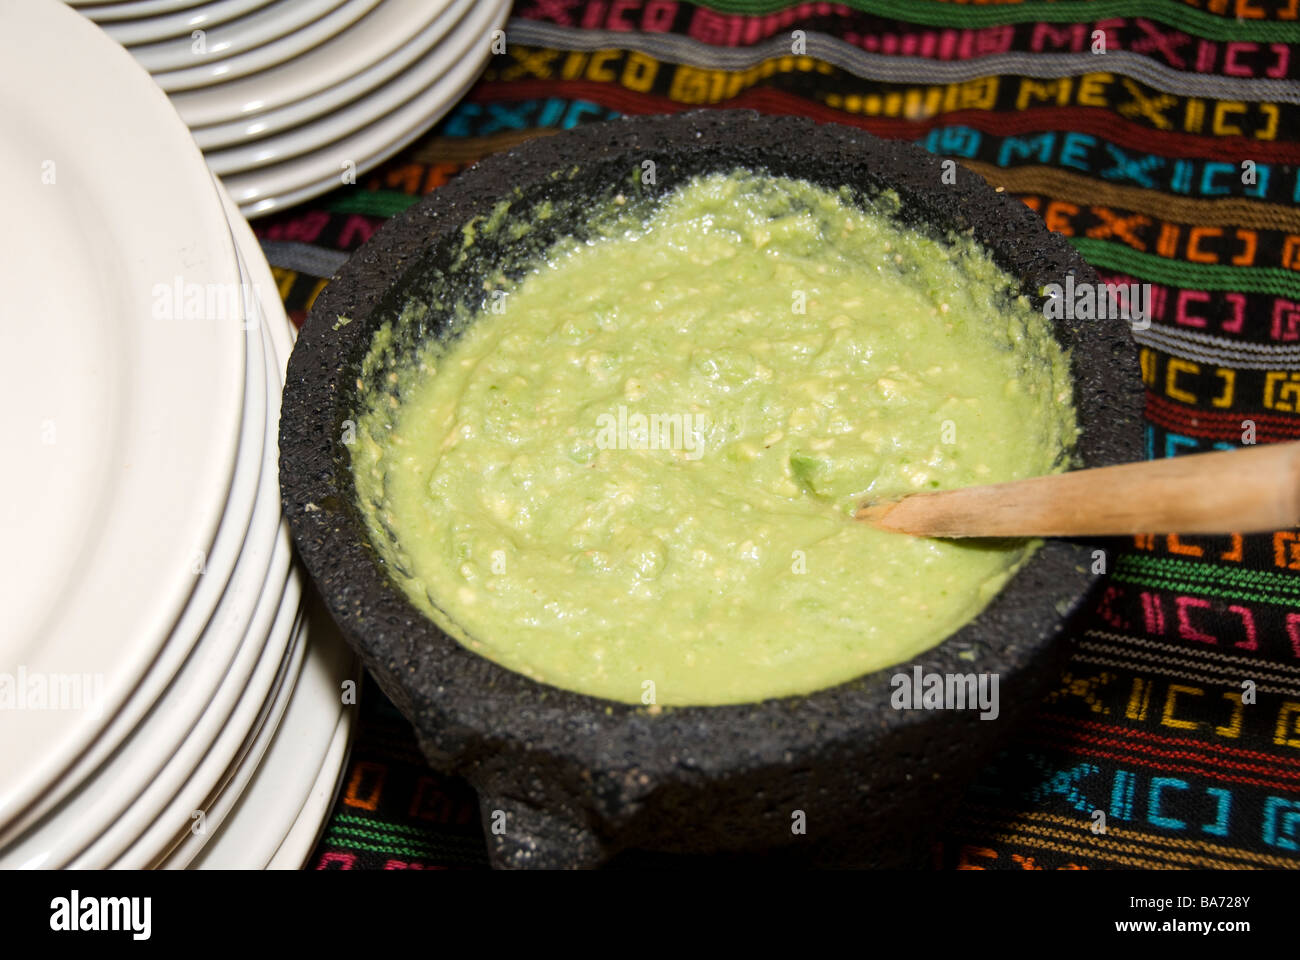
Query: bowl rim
x,y
472,701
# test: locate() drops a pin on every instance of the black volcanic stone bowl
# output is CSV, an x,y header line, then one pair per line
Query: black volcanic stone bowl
x,y
580,779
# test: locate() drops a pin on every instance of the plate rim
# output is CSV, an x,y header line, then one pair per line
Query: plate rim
x,y
226,134
267,54
217,104
170,176
435,63
276,196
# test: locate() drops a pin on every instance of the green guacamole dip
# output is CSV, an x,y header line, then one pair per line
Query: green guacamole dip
x,y
632,473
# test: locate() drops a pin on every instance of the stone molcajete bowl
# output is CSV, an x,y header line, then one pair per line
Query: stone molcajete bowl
x,y
580,779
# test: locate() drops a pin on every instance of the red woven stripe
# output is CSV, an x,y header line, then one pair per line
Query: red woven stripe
x,y
1270,758
1232,416
1220,763
1081,749
1213,425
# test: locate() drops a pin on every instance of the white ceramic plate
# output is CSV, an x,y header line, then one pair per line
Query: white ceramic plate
x,y
126,421
198,763
228,39
277,806
178,728
266,120
257,702
306,831
266,799
307,729
243,735
213,584
372,38
282,184
197,72
360,113
174,839
198,769
95,9
127,29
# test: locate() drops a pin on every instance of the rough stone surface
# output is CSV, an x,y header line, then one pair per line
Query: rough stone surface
x,y
579,778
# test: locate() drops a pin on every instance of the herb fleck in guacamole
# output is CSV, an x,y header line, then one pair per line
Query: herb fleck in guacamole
x,y
635,472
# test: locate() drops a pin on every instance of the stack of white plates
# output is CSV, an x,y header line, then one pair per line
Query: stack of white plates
x,y
165,698
291,98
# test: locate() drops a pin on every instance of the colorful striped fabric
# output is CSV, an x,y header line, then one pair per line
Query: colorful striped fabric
x,y
1163,138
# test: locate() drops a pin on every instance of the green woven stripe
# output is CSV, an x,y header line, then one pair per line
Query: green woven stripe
x,y
1209,579
375,829
1179,273
1159,583
396,849
364,823
373,203
382,840
933,14
443,856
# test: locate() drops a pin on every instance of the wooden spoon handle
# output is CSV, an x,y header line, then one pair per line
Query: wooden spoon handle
x,y
1233,491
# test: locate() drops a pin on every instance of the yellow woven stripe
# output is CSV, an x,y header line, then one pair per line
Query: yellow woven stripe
x,y
1073,825
1074,188
1022,836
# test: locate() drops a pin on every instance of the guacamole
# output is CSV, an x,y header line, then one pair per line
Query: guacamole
x,y
632,473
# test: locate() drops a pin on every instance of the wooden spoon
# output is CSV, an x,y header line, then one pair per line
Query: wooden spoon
x,y
1234,491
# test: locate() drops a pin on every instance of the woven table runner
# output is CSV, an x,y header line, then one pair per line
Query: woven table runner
x,y
1162,137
